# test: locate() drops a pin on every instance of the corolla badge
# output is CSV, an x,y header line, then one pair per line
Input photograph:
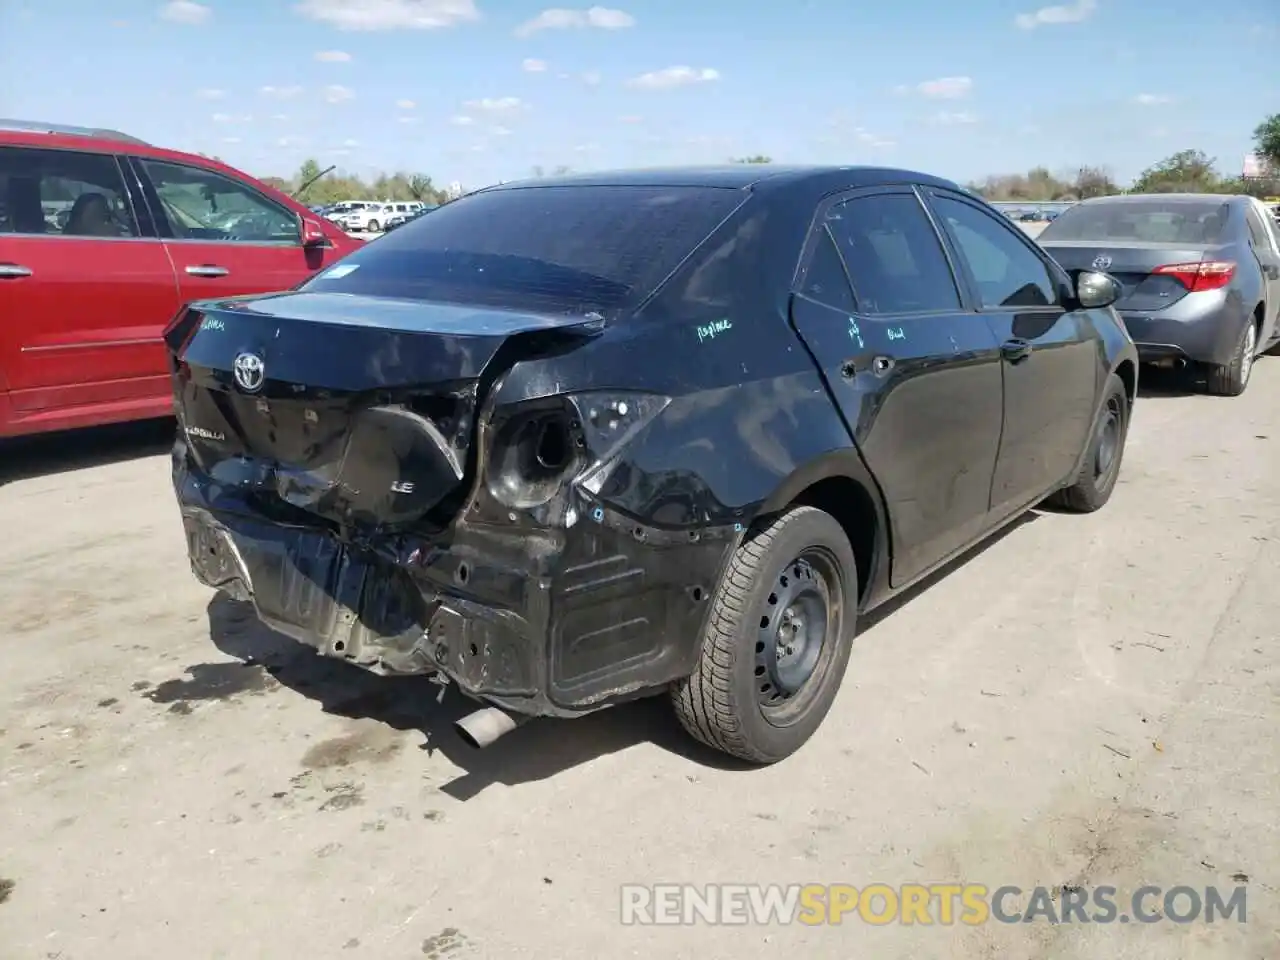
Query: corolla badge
x,y
249,371
1101,262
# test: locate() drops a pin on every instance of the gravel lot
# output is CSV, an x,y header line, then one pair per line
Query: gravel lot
x,y
1093,700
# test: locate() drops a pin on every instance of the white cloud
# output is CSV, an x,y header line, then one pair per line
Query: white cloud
x,y
351,143
673,77
560,18
531,65
406,104
406,119
223,118
333,56
947,118
495,104
185,11
1052,16
337,93
389,14
462,121
500,131
280,117
280,93
629,118
288,141
230,139
946,88
592,78
210,94
1150,99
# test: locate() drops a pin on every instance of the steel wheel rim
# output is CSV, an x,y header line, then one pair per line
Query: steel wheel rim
x,y
1250,344
1109,439
798,623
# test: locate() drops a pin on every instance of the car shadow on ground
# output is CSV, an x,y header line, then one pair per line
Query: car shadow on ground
x,y
537,750
47,454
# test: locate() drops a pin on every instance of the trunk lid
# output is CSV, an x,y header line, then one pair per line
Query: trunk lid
x,y
355,409
1131,263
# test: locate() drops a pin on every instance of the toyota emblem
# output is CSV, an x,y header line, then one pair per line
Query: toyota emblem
x,y
1101,262
249,371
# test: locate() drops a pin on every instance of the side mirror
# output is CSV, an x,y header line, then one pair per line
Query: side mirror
x,y
1096,290
313,234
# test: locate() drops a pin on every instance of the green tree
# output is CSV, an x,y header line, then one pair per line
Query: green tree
x,y
758,158
1266,141
1187,171
1093,182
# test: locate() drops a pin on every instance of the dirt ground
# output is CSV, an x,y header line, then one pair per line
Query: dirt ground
x,y
1087,700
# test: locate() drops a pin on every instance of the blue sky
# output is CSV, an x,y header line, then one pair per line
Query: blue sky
x,y
480,90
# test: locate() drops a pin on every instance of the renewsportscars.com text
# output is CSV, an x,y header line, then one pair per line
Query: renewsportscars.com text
x,y
925,904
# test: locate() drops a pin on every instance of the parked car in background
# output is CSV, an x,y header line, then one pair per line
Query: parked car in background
x,y
577,440
103,238
400,219
373,217
339,212
1200,275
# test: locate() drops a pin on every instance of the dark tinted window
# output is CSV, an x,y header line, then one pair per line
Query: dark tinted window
x,y
1146,221
570,248
63,193
894,256
825,280
1008,273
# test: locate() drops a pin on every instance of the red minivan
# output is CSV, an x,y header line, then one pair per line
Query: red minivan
x,y
102,239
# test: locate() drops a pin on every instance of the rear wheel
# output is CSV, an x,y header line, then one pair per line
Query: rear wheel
x,y
1097,477
373,226
1230,379
777,641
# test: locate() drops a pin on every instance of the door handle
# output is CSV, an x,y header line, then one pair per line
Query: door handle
x,y
208,270
1015,350
13,271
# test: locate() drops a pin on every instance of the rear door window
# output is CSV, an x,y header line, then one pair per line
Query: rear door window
x,y
893,254
63,193
1259,232
564,248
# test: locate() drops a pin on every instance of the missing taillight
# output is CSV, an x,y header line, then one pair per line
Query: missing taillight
x,y
537,449
531,455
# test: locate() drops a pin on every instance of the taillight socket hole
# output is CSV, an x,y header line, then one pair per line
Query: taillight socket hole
x,y
462,574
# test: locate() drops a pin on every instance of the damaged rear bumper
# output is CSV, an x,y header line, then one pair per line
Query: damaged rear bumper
x,y
538,622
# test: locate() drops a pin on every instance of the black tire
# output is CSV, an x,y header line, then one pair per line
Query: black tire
x,y
372,226
1095,482
720,704
1230,379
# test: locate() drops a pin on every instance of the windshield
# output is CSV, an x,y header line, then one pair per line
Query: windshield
x,y
555,248
1197,222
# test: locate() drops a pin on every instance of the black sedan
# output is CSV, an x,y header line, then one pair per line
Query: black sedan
x,y
574,441
1200,273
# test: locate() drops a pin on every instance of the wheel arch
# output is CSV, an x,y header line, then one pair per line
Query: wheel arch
x,y
839,483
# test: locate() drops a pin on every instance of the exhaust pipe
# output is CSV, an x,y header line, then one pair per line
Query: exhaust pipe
x,y
483,727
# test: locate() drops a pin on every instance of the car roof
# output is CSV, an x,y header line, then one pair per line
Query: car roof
x,y
758,176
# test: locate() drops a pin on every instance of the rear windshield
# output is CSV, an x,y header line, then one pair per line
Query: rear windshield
x,y
1147,221
565,249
